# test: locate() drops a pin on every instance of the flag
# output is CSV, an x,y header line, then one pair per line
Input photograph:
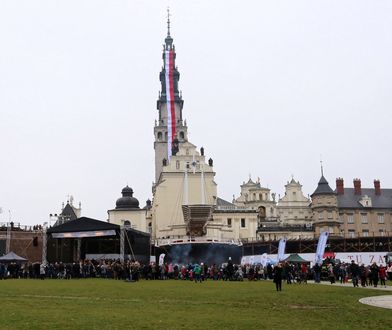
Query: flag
x,y
281,249
161,259
264,259
170,105
321,247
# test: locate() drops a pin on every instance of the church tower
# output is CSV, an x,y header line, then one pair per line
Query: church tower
x,y
170,129
325,208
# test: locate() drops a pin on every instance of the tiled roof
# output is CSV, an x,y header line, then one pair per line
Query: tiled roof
x,y
350,200
222,202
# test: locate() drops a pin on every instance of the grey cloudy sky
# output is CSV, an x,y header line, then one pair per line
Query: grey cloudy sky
x,y
268,87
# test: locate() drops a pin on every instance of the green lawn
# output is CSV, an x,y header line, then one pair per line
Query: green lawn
x,y
109,304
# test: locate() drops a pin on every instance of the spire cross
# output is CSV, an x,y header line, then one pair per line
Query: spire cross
x,y
322,169
168,21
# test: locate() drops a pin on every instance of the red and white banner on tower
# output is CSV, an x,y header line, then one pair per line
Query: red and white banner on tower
x,y
170,105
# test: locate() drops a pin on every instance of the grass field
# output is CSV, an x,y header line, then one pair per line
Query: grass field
x,y
109,304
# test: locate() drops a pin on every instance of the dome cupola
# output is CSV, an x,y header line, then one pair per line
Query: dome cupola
x,y
127,201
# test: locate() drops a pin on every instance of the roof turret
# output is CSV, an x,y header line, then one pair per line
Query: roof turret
x,y
323,188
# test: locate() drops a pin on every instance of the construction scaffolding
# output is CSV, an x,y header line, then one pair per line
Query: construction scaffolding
x,y
335,244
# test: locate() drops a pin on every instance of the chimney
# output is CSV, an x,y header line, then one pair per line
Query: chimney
x,y
357,187
377,187
340,186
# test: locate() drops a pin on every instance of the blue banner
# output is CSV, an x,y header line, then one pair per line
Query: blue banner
x,y
281,249
321,247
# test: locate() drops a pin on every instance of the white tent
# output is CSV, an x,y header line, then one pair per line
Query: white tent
x,y
12,257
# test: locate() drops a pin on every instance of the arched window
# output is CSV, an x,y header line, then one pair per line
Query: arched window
x,y
127,223
159,136
182,135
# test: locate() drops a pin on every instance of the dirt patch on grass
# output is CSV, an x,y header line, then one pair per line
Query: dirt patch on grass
x,y
310,307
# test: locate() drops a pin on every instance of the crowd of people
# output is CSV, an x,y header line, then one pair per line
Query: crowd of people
x,y
370,275
130,270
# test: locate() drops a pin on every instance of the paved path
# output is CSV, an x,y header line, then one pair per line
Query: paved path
x,y
350,285
378,301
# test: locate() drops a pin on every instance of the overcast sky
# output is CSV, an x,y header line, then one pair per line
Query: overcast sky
x,y
268,86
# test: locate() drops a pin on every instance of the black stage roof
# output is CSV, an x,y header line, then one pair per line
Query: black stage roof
x,y
88,224
82,224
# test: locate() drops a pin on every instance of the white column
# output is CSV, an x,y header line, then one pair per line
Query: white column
x,y
203,196
186,198
122,234
78,248
44,245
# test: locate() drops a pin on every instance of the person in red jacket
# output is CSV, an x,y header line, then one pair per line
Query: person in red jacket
x,y
382,274
304,273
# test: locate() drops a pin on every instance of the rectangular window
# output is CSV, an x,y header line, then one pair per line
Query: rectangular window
x,y
365,233
380,218
329,215
330,229
350,218
364,218
243,223
228,222
382,232
321,216
351,233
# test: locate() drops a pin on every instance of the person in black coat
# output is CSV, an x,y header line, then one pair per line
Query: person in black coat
x,y
354,270
278,276
374,274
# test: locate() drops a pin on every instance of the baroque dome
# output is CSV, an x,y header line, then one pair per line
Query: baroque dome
x,y
127,201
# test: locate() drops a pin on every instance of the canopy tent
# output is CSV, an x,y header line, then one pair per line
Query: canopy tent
x,y
295,258
12,257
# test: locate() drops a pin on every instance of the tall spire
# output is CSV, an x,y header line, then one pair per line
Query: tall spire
x,y
169,40
169,130
169,46
168,21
